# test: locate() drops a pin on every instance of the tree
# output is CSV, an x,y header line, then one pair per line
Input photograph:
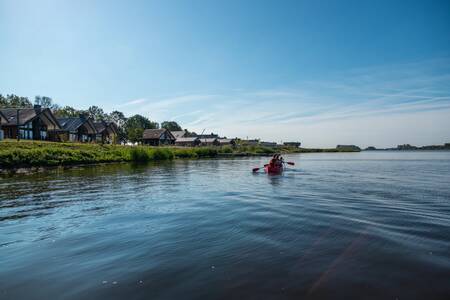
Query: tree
x,y
3,101
14,101
171,125
46,102
67,112
120,119
135,126
97,113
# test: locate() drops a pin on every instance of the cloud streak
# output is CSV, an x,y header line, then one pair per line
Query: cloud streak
x,y
376,94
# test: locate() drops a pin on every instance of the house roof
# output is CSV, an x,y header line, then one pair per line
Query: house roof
x,y
25,115
186,139
209,140
28,114
100,127
225,141
72,124
151,134
178,134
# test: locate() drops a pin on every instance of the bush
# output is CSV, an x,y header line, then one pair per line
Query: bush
x,y
139,154
226,149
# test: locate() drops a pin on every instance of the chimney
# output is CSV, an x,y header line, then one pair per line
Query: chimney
x,y
37,108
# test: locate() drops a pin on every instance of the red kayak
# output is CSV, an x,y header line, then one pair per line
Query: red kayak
x,y
273,170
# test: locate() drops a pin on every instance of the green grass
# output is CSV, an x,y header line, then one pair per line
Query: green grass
x,y
36,153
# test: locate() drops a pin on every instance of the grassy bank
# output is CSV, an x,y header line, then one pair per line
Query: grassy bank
x,y
15,154
20,154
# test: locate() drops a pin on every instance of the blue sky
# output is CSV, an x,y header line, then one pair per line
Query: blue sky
x,y
323,72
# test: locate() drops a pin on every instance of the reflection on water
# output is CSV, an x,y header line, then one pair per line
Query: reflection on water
x,y
364,225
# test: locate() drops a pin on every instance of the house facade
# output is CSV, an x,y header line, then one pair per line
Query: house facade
x,y
106,132
29,123
2,121
78,129
158,137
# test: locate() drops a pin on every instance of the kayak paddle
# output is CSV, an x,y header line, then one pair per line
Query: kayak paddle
x,y
257,169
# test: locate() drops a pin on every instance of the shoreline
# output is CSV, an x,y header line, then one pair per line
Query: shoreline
x,y
19,157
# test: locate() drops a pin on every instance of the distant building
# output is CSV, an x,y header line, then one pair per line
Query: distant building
x,y
292,144
229,142
28,123
157,137
268,144
208,136
406,147
210,141
77,129
106,132
249,142
179,134
187,141
348,147
447,145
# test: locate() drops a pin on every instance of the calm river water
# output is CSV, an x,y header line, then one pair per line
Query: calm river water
x,y
370,225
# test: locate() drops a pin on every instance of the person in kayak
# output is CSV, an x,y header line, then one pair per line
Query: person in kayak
x,y
279,162
273,161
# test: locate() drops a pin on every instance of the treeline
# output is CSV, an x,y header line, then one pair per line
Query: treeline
x,y
130,128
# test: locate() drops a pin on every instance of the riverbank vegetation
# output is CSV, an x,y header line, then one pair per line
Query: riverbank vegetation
x,y
25,153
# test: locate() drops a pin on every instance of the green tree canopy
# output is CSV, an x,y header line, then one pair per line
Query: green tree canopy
x,y
67,112
135,126
171,125
96,113
120,120
46,102
117,117
14,101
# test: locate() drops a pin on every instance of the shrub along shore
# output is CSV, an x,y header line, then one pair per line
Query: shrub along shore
x,y
29,154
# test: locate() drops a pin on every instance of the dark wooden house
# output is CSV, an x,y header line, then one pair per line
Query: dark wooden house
x,y
106,132
157,137
78,129
29,123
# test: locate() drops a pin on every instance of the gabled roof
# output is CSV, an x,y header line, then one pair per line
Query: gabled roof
x,y
28,114
72,124
226,141
209,140
152,134
186,139
178,134
100,127
25,115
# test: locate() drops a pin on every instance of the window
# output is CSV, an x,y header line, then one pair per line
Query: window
x,y
43,135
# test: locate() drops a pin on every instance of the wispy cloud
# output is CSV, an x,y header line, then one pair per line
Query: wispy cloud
x,y
133,102
375,94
